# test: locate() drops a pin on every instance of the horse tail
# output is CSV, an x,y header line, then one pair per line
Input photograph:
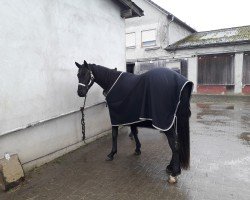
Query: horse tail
x,y
183,115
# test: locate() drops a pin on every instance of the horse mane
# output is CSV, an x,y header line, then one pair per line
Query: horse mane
x,y
104,76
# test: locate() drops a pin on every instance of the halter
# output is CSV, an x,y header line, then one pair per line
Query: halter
x,y
90,83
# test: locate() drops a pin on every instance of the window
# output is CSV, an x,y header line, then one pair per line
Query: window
x,y
130,40
148,38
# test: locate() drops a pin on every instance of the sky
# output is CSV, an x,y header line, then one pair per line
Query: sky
x,y
205,15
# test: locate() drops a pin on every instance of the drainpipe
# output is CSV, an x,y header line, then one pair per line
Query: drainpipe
x,y
171,18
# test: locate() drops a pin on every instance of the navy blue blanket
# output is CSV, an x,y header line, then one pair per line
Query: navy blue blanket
x,y
154,95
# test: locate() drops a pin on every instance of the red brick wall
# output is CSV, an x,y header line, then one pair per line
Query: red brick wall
x,y
246,89
211,89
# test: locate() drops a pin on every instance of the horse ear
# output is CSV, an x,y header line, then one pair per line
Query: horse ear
x,y
86,64
78,65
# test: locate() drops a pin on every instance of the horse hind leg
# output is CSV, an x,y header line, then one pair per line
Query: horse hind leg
x,y
134,131
174,168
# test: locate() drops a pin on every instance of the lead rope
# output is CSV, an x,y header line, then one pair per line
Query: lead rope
x,y
82,120
82,108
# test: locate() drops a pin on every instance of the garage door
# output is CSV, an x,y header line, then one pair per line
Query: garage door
x,y
216,69
246,69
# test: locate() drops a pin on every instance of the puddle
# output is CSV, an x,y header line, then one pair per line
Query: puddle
x,y
212,118
229,107
212,114
245,118
202,105
245,136
215,106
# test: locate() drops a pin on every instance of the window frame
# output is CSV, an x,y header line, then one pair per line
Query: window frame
x,y
148,45
134,46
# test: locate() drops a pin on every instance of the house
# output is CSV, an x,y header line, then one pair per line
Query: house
x,y
148,36
40,41
218,60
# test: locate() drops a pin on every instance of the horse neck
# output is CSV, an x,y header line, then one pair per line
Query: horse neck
x,y
104,77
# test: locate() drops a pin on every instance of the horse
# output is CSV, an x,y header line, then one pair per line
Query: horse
x,y
158,99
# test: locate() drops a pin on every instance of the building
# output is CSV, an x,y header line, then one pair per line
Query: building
x,y
148,36
40,41
218,60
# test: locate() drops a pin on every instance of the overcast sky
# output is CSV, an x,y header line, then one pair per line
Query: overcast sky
x,y
205,15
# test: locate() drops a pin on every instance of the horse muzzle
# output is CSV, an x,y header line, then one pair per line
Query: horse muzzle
x,y
82,91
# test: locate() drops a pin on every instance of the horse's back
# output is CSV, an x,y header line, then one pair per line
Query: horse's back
x,y
153,96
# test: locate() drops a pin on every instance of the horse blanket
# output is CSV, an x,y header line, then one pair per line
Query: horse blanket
x,y
154,95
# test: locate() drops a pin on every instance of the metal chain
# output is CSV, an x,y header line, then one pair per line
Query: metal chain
x,y
82,108
82,120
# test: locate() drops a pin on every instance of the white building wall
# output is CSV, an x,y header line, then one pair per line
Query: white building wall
x,y
153,19
238,70
193,71
40,40
176,33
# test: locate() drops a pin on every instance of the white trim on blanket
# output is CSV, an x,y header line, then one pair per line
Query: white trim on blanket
x,y
145,119
113,84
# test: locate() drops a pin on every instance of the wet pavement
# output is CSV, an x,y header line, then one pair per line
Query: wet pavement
x,y
220,164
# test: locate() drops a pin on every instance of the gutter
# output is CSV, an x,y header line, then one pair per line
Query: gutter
x,y
207,45
172,18
177,20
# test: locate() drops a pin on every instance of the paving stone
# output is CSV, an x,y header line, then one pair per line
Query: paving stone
x,y
220,163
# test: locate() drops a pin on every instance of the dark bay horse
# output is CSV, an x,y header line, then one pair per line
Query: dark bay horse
x,y
158,99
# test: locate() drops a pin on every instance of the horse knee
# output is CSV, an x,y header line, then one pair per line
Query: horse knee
x,y
134,130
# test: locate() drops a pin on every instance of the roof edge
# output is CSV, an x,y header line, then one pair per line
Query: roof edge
x,y
130,5
176,19
223,29
169,48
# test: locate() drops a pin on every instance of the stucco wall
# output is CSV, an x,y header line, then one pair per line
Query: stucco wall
x,y
176,33
167,32
40,40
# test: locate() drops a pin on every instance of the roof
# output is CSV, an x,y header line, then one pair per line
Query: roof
x,y
171,16
220,37
129,8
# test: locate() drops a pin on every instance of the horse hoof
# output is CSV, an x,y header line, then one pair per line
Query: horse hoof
x,y
109,158
137,152
172,179
169,169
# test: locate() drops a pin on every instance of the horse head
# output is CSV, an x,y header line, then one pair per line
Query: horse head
x,y
85,79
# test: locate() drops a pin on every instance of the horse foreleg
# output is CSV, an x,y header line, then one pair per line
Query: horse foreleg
x,y
173,168
131,135
134,131
114,143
